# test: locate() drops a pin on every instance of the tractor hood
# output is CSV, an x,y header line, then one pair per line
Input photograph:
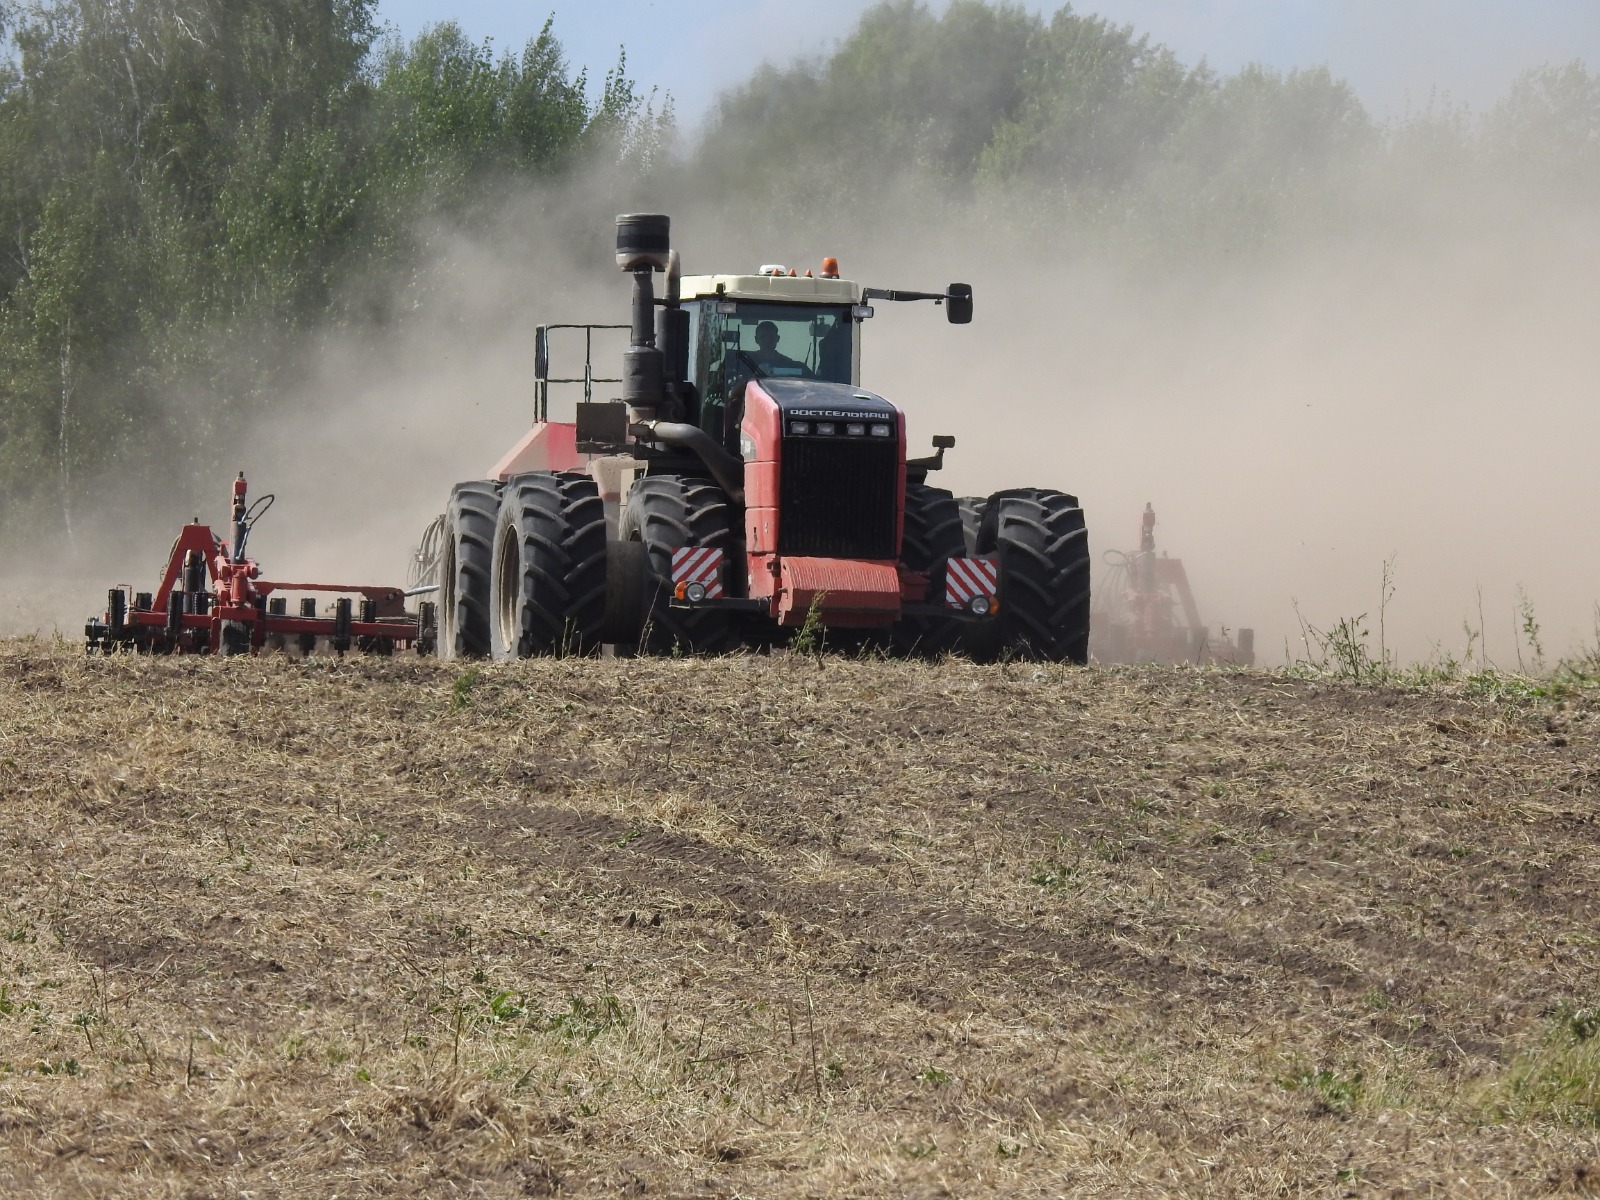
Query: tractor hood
x,y
816,400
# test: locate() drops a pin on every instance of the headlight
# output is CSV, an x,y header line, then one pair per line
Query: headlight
x,y
694,592
827,428
855,429
980,605
881,430
799,428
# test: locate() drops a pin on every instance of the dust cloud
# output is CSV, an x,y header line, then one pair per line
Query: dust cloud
x,y
1418,389
390,422
1420,396
372,425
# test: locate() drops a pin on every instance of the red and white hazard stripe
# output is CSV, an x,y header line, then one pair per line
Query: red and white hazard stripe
x,y
697,564
965,579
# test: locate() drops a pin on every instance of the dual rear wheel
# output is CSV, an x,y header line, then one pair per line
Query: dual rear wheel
x,y
548,567
930,536
466,559
664,513
527,570
1042,544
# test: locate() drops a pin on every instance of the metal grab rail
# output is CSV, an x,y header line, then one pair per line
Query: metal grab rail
x,y
542,379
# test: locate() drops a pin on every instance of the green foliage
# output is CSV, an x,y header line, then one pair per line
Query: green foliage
x,y
461,690
1098,101
1560,1078
1332,1091
585,1019
1061,119
182,175
1081,131
1548,128
907,88
1056,876
504,1007
813,633
447,115
1528,626
1343,650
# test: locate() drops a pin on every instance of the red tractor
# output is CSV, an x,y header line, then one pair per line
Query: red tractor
x,y
744,487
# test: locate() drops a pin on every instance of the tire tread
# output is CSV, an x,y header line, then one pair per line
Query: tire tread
x,y
469,524
561,537
931,534
1043,545
667,512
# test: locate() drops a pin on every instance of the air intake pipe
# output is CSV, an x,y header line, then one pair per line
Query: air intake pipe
x,y
727,470
672,337
643,247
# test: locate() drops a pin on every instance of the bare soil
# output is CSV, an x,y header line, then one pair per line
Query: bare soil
x,y
782,927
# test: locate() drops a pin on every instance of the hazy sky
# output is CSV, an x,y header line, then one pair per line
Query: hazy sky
x,y
1394,52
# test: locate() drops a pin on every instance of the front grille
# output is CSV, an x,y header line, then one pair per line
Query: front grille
x,y
837,497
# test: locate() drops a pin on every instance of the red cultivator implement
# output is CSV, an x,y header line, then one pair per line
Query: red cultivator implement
x,y
1145,612
212,600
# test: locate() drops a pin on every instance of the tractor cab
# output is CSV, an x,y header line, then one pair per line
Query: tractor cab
x,y
766,326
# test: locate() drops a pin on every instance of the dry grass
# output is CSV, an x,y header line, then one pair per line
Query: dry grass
x,y
762,927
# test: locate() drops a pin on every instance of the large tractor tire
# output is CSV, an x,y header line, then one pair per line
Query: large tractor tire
x,y
666,512
932,535
549,571
971,520
465,561
1043,548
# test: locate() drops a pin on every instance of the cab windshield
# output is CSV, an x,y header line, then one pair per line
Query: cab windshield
x,y
759,340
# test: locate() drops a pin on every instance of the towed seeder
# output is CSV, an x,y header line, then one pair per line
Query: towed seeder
x,y
1145,613
212,600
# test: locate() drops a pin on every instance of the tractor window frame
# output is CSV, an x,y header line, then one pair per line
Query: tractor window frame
x,y
818,340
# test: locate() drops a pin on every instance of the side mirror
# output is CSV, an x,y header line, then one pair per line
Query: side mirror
x,y
958,303
541,353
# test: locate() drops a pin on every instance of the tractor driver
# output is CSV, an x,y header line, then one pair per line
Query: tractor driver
x,y
769,358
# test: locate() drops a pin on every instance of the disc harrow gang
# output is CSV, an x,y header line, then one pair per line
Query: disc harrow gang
x,y
212,600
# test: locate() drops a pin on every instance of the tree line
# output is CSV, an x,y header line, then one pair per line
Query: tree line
x,y
179,176
182,175
1069,121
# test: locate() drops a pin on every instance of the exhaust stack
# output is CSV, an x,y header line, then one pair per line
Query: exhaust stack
x,y
643,247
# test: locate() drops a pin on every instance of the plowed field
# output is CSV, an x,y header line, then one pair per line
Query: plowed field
x,y
780,927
